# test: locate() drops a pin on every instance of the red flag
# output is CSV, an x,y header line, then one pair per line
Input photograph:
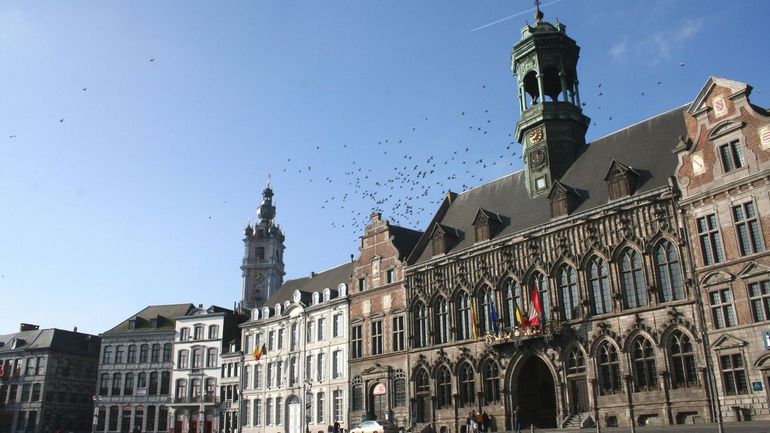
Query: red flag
x,y
535,308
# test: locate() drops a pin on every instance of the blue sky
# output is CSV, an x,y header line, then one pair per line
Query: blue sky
x,y
135,191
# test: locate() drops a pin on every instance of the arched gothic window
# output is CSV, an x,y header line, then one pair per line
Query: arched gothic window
x,y
443,387
466,385
609,369
511,300
669,272
568,293
576,363
463,316
491,380
440,321
643,361
632,280
420,325
483,314
682,361
600,286
422,395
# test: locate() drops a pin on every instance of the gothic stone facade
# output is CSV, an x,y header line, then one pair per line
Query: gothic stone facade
x,y
724,176
379,326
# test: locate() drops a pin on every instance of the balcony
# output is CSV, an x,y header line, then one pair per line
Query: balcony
x,y
517,336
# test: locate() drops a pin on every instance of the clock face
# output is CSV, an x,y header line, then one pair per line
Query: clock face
x,y
260,277
536,135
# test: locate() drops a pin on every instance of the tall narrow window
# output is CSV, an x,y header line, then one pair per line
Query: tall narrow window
x,y
166,352
377,337
441,321
116,381
337,326
511,300
609,369
294,337
422,395
669,272
576,364
710,240
357,394
399,342
278,411
732,156
643,359
491,381
356,342
320,367
747,229
144,351
339,363
119,355
682,361
258,376
443,388
600,286
420,325
632,280
759,298
320,408
257,412
484,316
337,405
733,374
399,389
269,411
155,353
568,293
321,329
722,310
463,316
466,385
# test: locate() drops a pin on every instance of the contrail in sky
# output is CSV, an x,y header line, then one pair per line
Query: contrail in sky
x,y
513,16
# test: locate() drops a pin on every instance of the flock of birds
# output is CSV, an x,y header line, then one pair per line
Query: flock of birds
x,y
406,186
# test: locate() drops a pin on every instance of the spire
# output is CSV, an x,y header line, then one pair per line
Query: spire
x,y
538,12
266,209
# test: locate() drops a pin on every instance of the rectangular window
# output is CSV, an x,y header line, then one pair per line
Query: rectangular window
x,y
269,379
377,337
747,229
362,284
732,156
320,367
759,298
337,326
309,368
722,310
733,374
278,410
398,334
338,364
269,411
30,367
309,332
280,339
321,329
270,339
198,333
337,397
257,412
390,276
356,342
320,408
710,240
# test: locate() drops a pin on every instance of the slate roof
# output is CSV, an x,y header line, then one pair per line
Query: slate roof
x,y
330,278
167,312
404,240
57,340
646,147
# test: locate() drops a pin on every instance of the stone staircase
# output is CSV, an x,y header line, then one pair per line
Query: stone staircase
x,y
578,420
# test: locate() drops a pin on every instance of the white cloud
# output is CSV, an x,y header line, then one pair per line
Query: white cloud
x,y
619,50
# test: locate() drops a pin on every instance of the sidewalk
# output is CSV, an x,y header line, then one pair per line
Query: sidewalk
x,y
732,427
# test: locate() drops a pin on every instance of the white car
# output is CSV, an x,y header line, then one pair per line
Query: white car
x,y
374,427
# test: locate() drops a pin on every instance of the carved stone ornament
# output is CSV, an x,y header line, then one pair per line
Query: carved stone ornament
x,y
537,158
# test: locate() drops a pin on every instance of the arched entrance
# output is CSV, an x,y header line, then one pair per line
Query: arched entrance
x,y
293,415
535,395
378,402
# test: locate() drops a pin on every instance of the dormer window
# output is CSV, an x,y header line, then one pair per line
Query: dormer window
x,y
563,199
621,180
315,298
443,239
265,312
486,225
327,295
132,324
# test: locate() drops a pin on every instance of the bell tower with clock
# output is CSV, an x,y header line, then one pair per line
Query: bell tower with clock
x,y
552,126
262,268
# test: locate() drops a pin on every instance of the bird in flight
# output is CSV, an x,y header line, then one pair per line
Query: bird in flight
x,y
12,136
85,88
61,120
152,59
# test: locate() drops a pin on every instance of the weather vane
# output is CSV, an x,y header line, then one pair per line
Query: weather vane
x,y
538,12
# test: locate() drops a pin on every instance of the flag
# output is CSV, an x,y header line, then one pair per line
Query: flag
x,y
521,319
535,309
492,312
259,351
474,325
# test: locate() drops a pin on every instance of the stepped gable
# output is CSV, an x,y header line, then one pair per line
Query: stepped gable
x,y
646,147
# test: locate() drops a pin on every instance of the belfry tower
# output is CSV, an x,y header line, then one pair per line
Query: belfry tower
x,y
552,126
262,267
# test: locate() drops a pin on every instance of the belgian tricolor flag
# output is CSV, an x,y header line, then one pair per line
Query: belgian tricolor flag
x,y
259,351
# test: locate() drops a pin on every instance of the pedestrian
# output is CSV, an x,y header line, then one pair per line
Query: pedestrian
x,y
484,421
471,423
516,420
336,427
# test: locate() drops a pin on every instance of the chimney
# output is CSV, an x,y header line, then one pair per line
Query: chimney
x,y
28,327
75,329
312,274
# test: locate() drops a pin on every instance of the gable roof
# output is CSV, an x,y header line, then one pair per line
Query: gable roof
x,y
168,312
404,240
56,340
645,147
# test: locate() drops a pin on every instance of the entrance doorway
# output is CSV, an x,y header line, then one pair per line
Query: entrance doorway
x,y
293,415
378,401
536,397
578,395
